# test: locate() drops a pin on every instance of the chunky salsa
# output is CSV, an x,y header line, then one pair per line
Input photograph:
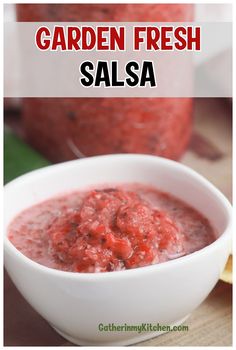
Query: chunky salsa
x,y
109,229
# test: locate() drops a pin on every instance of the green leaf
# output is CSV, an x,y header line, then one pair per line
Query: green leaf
x,y
19,158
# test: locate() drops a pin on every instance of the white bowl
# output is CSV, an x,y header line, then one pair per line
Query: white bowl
x,y
76,303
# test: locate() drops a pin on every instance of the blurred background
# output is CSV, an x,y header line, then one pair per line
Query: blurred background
x,y
194,131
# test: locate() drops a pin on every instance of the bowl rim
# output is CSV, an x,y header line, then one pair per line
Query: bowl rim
x,y
86,276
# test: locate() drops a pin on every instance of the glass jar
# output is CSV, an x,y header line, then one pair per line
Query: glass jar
x,y
66,128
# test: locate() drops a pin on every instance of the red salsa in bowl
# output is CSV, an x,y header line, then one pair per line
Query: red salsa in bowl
x,y
109,229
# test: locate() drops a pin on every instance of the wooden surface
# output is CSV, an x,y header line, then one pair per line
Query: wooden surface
x,y
211,323
210,150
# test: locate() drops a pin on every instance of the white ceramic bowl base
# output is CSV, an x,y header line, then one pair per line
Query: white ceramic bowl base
x,y
76,303
133,338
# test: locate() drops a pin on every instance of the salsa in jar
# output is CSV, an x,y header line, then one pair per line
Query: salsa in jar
x,y
67,128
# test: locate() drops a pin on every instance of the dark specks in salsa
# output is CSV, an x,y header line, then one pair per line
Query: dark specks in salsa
x,y
109,229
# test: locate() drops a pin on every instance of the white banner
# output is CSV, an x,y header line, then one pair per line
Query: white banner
x,y
31,72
